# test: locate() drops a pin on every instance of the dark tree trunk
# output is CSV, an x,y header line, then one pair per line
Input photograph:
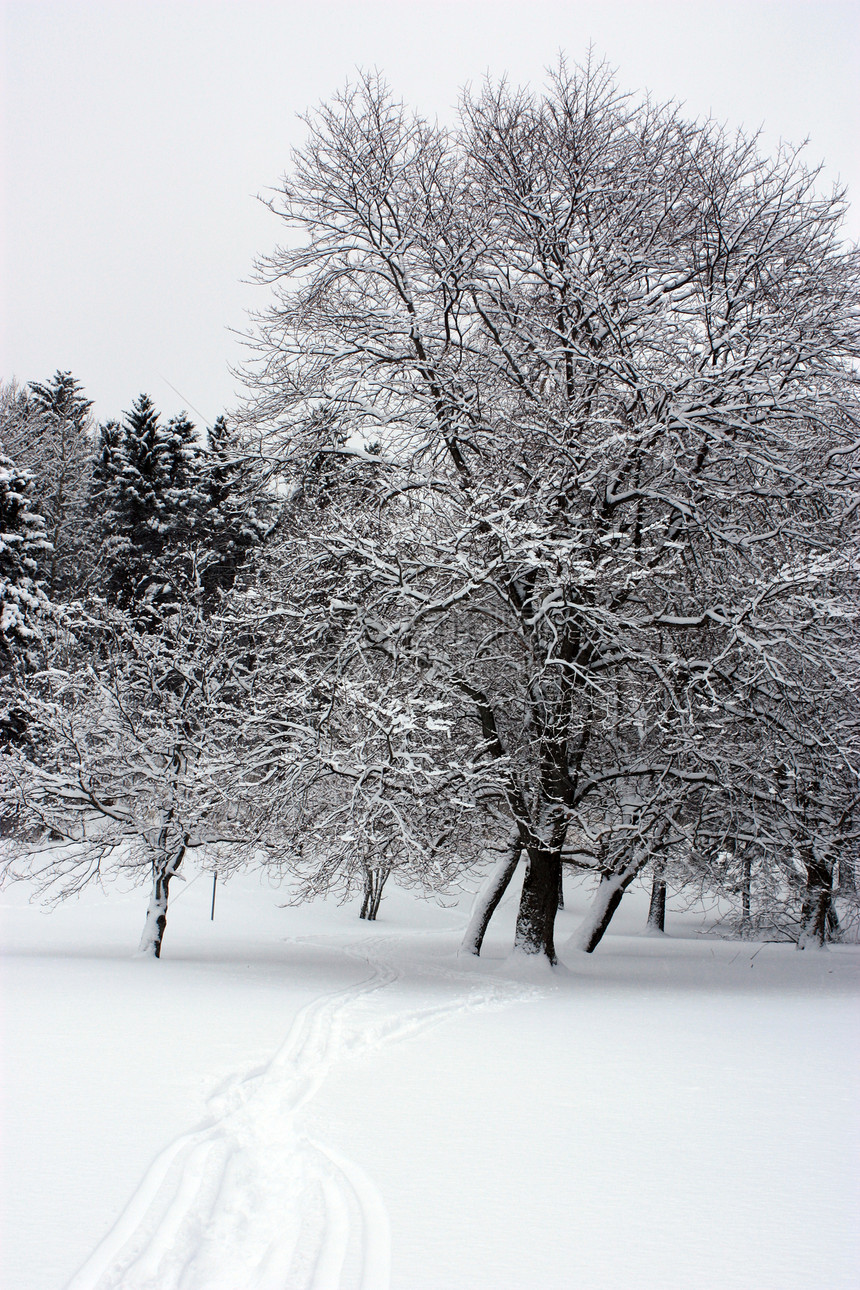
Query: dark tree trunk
x,y
538,905
561,886
832,923
817,904
657,907
487,900
607,898
847,880
746,894
380,881
374,881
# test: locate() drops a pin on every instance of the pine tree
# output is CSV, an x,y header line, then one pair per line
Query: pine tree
x,y
108,456
25,553
46,429
149,495
62,399
232,523
138,480
177,517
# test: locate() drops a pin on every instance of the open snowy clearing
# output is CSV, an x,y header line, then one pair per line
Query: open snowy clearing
x,y
295,1100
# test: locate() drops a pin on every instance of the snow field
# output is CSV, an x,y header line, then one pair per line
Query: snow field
x,y
296,1100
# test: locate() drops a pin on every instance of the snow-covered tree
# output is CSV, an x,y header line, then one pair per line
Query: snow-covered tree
x,y
137,760
148,494
25,553
61,461
176,515
352,763
235,514
25,609
607,358
46,429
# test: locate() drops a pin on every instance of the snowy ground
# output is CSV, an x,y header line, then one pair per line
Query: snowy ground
x,y
294,1100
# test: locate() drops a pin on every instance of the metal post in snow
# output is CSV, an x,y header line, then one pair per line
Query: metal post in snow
x,y
212,911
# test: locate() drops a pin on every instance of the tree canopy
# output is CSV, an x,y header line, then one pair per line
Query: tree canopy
x,y
606,359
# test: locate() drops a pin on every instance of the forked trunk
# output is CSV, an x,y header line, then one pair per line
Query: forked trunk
x,y
538,905
374,881
657,908
487,900
163,870
381,879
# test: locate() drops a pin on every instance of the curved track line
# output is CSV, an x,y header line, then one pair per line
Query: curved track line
x,y
245,1202
333,1248
376,1230
132,1216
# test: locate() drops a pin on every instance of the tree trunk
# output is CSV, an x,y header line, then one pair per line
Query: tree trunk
x,y
607,898
561,886
847,880
374,881
816,904
746,893
538,905
657,908
381,878
163,870
487,900
832,922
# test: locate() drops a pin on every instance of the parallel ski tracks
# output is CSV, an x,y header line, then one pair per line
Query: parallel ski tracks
x,y
247,1201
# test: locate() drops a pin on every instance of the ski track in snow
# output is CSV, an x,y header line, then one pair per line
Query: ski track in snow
x,y
248,1201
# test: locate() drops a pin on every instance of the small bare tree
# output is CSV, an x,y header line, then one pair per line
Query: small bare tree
x,y
130,763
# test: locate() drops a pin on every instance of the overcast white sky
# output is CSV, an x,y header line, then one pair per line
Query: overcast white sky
x,y
137,136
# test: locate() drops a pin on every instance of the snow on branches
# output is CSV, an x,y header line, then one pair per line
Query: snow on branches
x,y
590,367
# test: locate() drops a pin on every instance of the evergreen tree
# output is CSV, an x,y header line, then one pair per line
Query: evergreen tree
x,y
62,400
25,553
177,516
149,495
108,456
47,431
232,522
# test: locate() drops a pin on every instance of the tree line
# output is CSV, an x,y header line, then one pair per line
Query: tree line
x,y
533,547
